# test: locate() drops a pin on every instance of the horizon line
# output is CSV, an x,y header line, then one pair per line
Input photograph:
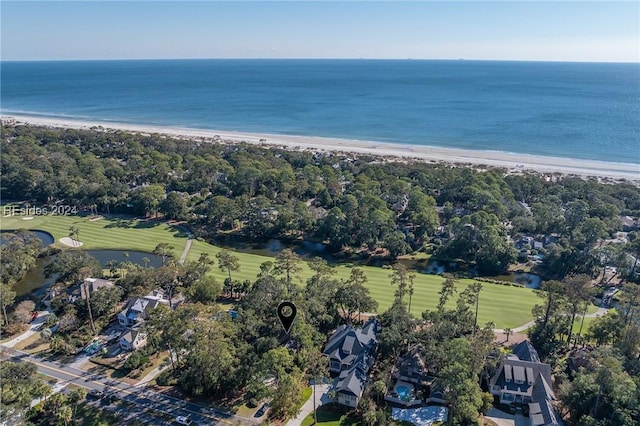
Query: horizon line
x,y
321,59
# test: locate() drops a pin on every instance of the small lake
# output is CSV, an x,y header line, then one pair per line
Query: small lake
x,y
45,237
135,257
305,249
35,282
526,279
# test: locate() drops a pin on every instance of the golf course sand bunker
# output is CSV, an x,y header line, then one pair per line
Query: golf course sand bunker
x,y
70,242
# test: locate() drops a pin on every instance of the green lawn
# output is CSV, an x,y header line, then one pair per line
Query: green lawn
x,y
506,306
587,321
114,233
329,415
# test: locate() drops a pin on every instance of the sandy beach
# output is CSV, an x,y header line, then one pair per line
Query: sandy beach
x,y
511,161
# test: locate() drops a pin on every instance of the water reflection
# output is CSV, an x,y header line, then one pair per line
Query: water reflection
x,y
34,280
45,237
35,283
136,257
305,249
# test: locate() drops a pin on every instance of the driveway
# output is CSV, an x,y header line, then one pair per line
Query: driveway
x,y
506,419
321,398
34,328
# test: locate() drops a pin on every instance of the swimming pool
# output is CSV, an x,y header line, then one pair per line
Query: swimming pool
x,y
403,391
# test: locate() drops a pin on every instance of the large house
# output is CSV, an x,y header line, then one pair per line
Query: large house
x,y
91,285
133,316
413,385
351,353
522,379
411,367
132,339
629,223
137,309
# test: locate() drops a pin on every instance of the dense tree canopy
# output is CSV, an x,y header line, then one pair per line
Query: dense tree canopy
x,y
351,202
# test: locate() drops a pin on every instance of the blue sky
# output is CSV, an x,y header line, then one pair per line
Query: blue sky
x,y
507,30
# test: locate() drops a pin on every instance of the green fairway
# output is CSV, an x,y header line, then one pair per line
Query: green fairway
x,y
113,233
506,306
588,320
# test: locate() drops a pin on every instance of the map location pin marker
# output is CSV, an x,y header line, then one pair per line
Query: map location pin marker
x,y
287,313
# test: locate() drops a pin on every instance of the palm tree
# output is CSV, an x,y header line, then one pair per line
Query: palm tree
x,y
113,267
74,233
86,293
75,396
65,414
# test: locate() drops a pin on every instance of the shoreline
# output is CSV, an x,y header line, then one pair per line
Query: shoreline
x,y
514,162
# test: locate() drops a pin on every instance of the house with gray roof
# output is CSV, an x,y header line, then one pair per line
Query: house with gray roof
x,y
351,352
91,285
413,385
138,308
348,346
411,366
629,223
132,339
350,385
522,379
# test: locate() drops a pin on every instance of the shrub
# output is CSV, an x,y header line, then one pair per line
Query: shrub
x,y
14,328
135,360
164,378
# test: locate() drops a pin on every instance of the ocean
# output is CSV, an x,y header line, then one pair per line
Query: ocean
x,y
573,110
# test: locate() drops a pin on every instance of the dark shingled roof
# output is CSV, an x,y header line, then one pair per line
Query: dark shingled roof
x,y
348,344
535,383
526,352
351,381
412,364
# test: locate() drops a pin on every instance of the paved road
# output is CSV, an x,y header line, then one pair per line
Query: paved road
x,y
142,397
187,246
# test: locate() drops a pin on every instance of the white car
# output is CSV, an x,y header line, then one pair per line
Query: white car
x,y
184,420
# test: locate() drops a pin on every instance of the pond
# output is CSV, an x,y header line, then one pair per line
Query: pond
x,y
528,280
35,283
45,237
136,257
305,249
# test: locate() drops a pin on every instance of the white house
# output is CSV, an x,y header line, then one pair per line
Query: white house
x,y
137,309
132,339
